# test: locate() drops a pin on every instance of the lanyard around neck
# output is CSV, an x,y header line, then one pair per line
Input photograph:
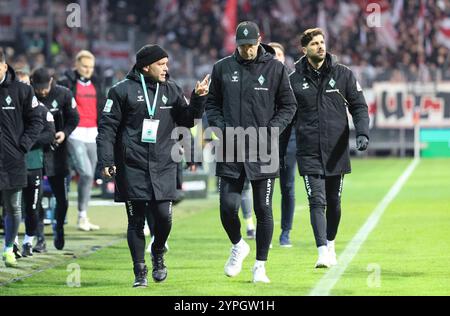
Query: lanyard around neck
x,y
151,109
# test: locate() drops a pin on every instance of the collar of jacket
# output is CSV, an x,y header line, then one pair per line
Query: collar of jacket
x,y
10,76
265,53
50,94
301,65
134,75
73,76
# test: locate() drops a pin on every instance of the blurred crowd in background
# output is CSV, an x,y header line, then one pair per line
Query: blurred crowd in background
x,y
411,44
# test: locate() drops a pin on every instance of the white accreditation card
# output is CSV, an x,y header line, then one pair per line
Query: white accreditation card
x,y
149,131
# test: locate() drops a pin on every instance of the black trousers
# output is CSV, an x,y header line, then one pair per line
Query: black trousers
x,y
161,212
230,200
59,189
324,193
32,195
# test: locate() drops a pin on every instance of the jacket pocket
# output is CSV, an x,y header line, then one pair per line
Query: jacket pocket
x,y
135,152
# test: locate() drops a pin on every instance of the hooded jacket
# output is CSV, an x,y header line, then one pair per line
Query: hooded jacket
x,y
35,157
63,107
69,80
145,171
321,122
20,126
252,94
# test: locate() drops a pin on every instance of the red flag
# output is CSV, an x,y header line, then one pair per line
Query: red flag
x,y
421,19
443,36
229,23
387,33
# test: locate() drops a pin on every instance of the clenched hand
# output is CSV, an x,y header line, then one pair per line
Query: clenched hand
x,y
362,142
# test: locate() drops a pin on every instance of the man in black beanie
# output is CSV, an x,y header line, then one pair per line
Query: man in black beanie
x,y
134,145
148,54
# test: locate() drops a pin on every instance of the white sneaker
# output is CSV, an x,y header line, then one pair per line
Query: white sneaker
x,y
324,260
85,225
331,254
259,274
146,230
234,263
149,248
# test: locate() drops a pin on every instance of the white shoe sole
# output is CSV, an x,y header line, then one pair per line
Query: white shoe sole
x,y
261,281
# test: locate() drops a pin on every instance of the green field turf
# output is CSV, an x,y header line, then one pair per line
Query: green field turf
x,y
409,248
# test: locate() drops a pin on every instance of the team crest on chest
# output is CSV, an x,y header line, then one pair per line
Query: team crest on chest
x,y
235,77
332,83
261,80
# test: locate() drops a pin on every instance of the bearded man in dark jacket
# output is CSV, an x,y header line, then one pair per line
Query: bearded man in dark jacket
x,y
324,91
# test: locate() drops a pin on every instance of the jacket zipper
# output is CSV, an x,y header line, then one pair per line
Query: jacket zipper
x,y
240,96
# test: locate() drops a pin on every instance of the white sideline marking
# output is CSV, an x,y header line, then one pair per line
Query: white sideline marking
x,y
329,280
104,203
61,263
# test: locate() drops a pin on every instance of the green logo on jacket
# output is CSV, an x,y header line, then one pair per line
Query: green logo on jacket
x,y
332,83
261,80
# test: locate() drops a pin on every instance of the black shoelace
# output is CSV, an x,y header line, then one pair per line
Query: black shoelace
x,y
142,274
159,262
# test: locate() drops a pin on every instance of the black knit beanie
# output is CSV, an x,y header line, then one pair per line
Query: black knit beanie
x,y
148,54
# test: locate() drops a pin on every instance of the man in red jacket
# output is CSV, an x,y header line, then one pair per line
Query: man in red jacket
x,y
81,143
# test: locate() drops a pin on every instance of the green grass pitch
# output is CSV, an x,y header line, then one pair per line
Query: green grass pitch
x,y
408,253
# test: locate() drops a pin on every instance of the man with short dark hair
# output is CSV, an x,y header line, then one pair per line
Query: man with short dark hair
x,y
249,89
62,106
32,193
325,90
134,145
20,126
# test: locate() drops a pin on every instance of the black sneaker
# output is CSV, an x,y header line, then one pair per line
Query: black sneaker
x,y
16,251
159,272
41,246
251,234
140,275
285,240
58,238
27,250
